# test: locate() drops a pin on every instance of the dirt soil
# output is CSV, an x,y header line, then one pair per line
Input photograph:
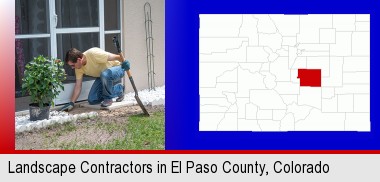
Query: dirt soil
x,y
109,125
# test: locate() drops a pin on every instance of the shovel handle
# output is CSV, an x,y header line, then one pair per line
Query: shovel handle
x,y
129,71
116,42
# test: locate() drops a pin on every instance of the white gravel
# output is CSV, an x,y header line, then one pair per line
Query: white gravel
x,y
153,97
24,124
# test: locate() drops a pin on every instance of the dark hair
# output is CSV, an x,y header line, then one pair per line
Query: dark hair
x,y
72,55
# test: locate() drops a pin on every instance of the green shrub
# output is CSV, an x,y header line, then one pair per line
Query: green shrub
x,y
43,79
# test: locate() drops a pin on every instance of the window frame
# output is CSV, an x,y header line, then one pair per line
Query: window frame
x,y
54,31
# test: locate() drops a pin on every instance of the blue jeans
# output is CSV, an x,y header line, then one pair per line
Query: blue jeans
x,y
104,87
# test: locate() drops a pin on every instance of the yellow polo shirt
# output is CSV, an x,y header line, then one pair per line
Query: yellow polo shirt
x,y
96,63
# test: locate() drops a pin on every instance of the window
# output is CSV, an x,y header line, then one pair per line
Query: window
x,y
77,13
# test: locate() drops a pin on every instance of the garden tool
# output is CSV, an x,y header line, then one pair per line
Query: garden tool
x,y
117,45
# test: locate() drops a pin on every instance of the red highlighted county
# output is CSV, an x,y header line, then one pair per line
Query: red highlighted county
x,y
309,77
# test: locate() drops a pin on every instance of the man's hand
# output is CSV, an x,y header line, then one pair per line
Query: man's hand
x,y
125,65
67,107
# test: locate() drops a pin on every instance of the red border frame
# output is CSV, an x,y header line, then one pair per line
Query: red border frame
x,y
191,152
7,139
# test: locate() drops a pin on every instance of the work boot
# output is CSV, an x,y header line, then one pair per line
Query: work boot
x,y
106,103
121,96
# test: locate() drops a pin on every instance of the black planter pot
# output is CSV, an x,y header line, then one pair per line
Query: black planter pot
x,y
37,113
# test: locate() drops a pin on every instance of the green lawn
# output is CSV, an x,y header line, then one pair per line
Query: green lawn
x,y
142,133
136,132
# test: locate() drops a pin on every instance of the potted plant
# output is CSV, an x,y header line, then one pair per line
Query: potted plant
x,y
43,78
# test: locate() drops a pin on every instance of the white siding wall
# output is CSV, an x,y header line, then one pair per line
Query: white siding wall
x,y
134,46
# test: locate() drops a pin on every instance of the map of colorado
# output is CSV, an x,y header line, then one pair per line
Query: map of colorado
x,y
284,72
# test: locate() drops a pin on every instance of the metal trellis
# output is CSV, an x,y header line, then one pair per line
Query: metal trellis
x,y
149,46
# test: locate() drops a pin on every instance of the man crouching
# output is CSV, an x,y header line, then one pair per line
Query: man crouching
x,y
107,69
